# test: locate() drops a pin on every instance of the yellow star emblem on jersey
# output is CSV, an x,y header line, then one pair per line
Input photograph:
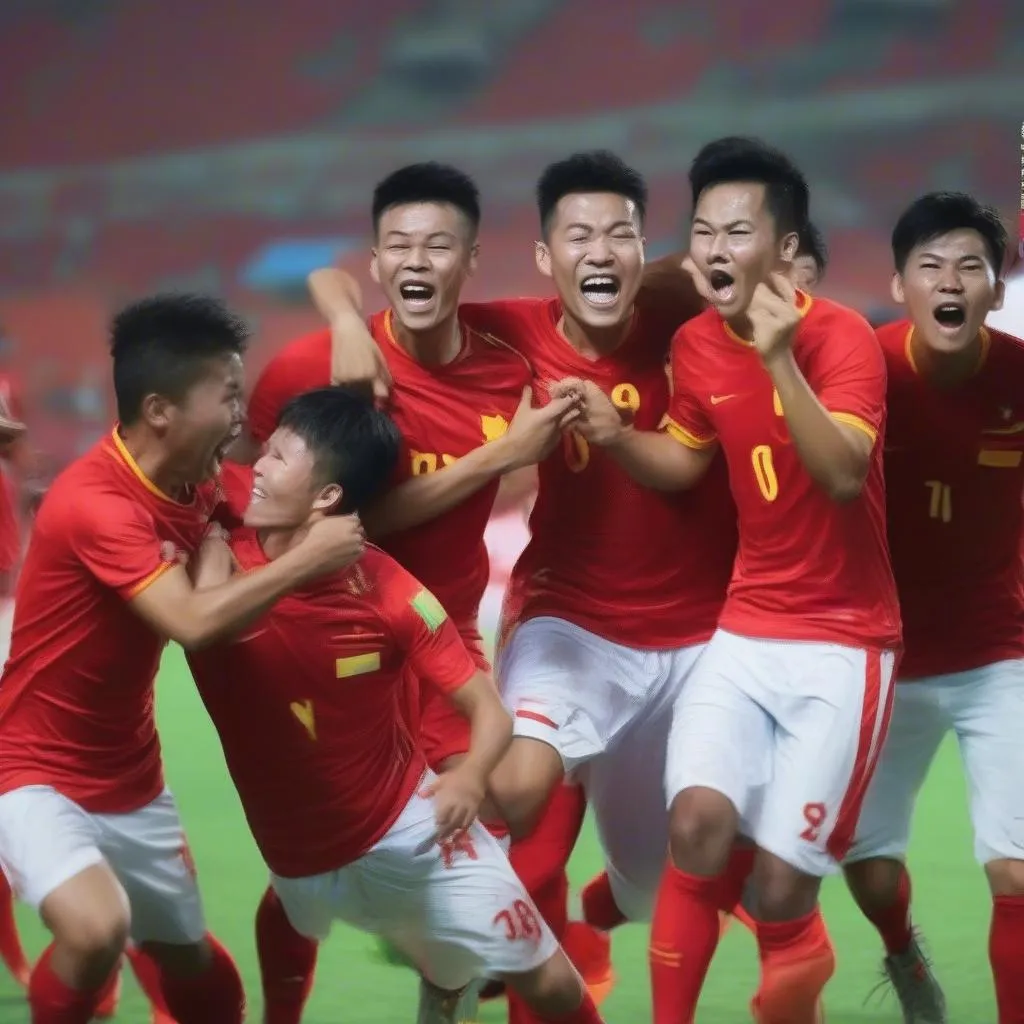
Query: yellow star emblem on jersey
x,y
493,427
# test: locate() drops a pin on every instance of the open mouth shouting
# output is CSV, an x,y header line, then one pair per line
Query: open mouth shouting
x,y
417,296
600,290
723,287
950,316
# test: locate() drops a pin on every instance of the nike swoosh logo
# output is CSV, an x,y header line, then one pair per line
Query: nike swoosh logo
x,y
718,399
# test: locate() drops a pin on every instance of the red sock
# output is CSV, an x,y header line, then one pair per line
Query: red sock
x,y
1005,943
893,921
733,880
599,907
542,856
214,997
54,1002
797,960
10,945
684,935
287,962
147,974
585,1013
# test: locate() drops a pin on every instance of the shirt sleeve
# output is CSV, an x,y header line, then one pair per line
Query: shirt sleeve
x,y
851,377
429,639
116,540
686,421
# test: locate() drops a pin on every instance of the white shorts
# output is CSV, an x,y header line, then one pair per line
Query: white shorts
x,y
607,710
790,733
985,710
458,914
46,839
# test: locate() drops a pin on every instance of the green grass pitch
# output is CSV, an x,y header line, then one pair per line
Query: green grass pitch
x,y
951,902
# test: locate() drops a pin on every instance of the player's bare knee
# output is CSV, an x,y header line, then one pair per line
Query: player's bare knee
x,y
1005,877
873,882
702,828
782,892
522,784
180,960
554,989
90,920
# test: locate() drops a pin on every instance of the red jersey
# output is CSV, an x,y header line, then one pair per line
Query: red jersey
x,y
808,568
10,520
309,704
954,471
442,413
640,568
76,698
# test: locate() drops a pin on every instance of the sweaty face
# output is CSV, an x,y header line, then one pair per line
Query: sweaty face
x,y
735,244
804,274
425,253
949,286
284,488
594,252
205,424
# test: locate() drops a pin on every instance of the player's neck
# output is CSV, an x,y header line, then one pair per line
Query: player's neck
x,y
275,543
154,463
741,326
594,343
437,346
945,369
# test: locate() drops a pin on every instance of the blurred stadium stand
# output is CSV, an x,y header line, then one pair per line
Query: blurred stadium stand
x,y
223,145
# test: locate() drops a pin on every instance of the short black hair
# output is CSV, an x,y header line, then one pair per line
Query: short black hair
x,y
598,170
353,443
738,159
428,182
812,243
163,344
939,213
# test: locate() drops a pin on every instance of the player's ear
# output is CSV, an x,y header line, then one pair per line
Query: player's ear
x,y
474,256
374,268
542,254
896,289
788,247
328,499
1000,294
157,411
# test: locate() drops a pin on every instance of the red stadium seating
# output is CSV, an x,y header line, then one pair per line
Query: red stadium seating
x,y
139,79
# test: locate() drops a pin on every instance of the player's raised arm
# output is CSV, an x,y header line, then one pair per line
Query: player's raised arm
x,y
832,434
195,616
355,357
531,436
670,284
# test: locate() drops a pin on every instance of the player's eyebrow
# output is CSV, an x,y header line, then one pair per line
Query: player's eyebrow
x,y
743,222
615,226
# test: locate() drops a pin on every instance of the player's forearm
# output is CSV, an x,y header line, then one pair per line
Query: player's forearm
x,y
335,293
429,495
656,460
489,739
836,461
669,281
219,611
